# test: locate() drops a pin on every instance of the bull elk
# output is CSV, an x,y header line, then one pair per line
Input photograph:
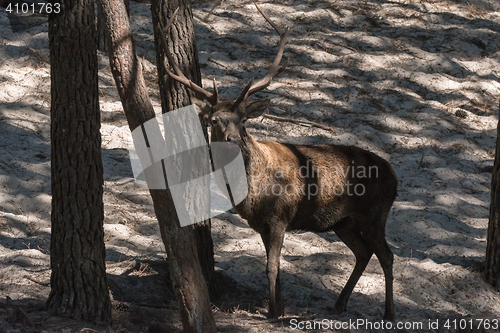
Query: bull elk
x,y
302,187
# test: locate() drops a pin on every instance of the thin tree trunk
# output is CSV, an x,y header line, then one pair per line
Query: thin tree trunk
x,y
182,43
492,268
187,278
77,257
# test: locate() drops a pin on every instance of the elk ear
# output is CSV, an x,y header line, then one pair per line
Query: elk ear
x,y
202,108
200,105
256,109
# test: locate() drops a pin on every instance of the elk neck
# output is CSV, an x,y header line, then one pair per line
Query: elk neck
x,y
251,150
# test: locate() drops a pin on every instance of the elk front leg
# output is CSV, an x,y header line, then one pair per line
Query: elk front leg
x,y
273,241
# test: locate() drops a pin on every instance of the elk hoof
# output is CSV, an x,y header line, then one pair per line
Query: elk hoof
x,y
276,313
389,316
339,309
272,314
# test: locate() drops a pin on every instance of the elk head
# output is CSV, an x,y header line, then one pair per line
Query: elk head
x,y
227,117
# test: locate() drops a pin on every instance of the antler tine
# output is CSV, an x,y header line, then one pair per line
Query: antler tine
x,y
274,25
273,70
216,92
178,76
243,95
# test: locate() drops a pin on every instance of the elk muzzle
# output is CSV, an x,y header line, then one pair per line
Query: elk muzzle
x,y
233,138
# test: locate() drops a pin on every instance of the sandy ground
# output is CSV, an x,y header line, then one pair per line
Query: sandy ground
x,y
416,82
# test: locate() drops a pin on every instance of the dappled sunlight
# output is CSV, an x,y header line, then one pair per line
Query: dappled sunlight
x,y
416,82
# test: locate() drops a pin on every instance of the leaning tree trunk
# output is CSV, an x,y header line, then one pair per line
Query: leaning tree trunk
x,y
492,268
189,286
182,43
102,37
77,254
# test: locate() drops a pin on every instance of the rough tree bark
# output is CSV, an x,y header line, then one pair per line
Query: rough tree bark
x,y
182,43
102,39
187,278
77,254
492,268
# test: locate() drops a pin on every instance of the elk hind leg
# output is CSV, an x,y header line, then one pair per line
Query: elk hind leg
x,y
375,237
356,242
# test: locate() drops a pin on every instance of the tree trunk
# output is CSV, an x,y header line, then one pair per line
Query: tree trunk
x,y
101,30
492,268
102,37
77,253
205,245
189,286
182,43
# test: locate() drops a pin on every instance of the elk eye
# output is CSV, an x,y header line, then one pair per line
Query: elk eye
x,y
214,121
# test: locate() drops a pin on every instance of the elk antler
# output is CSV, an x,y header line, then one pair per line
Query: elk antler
x,y
178,76
273,70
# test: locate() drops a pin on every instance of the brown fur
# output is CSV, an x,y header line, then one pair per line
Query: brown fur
x,y
307,187
303,187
